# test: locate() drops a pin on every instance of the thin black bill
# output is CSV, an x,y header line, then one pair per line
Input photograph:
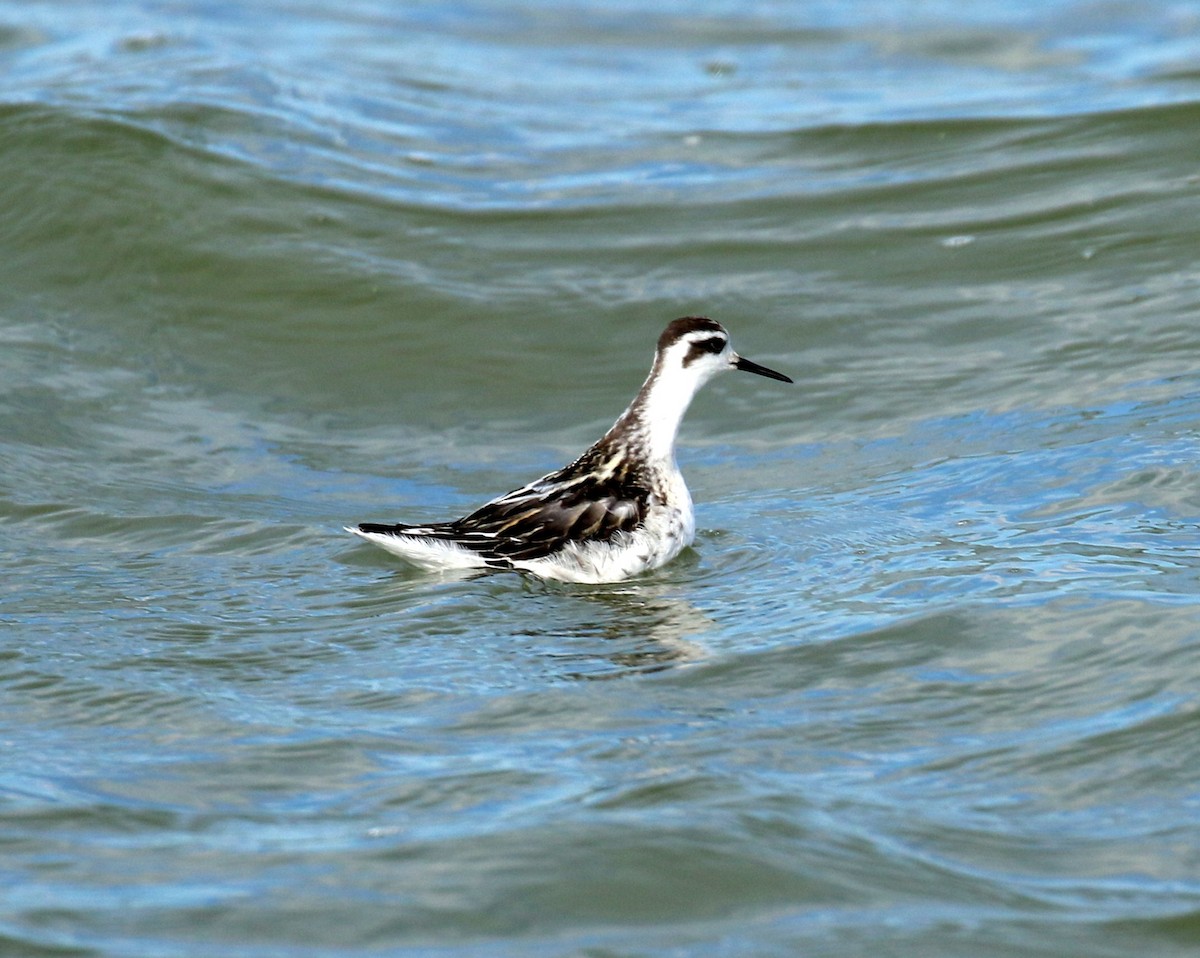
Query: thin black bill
x,y
748,367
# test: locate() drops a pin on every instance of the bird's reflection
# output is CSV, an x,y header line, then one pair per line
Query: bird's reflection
x,y
643,628
588,632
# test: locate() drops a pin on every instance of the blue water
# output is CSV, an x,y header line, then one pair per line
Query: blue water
x,y
926,683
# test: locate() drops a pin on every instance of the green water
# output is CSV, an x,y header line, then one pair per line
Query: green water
x,y
927,683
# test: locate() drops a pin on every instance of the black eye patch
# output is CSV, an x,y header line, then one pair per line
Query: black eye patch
x,y
714,344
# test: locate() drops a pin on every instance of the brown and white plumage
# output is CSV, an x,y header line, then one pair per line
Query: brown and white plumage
x,y
619,509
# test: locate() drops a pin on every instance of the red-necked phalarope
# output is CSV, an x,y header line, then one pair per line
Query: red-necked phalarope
x,y
619,509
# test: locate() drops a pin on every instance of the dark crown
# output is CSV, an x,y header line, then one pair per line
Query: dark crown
x,y
679,328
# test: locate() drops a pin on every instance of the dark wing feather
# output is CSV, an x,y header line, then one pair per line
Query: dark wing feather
x,y
545,516
568,506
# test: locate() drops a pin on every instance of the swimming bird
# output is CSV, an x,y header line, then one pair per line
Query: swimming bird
x,y
621,508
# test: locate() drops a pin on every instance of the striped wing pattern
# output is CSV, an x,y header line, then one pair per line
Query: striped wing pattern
x,y
579,504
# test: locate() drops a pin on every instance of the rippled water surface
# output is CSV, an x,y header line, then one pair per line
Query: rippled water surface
x,y
927,684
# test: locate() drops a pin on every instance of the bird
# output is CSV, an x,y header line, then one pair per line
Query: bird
x,y
622,508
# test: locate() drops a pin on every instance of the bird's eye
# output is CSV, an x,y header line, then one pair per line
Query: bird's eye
x,y
712,345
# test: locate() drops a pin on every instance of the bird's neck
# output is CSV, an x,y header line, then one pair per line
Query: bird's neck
x,y
652,420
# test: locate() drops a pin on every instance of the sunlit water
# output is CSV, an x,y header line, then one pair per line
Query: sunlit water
x,y
927,683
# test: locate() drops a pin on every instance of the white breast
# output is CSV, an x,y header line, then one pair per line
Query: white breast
x,y
667,531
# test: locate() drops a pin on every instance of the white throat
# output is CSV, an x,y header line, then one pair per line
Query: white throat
x,y
652,419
